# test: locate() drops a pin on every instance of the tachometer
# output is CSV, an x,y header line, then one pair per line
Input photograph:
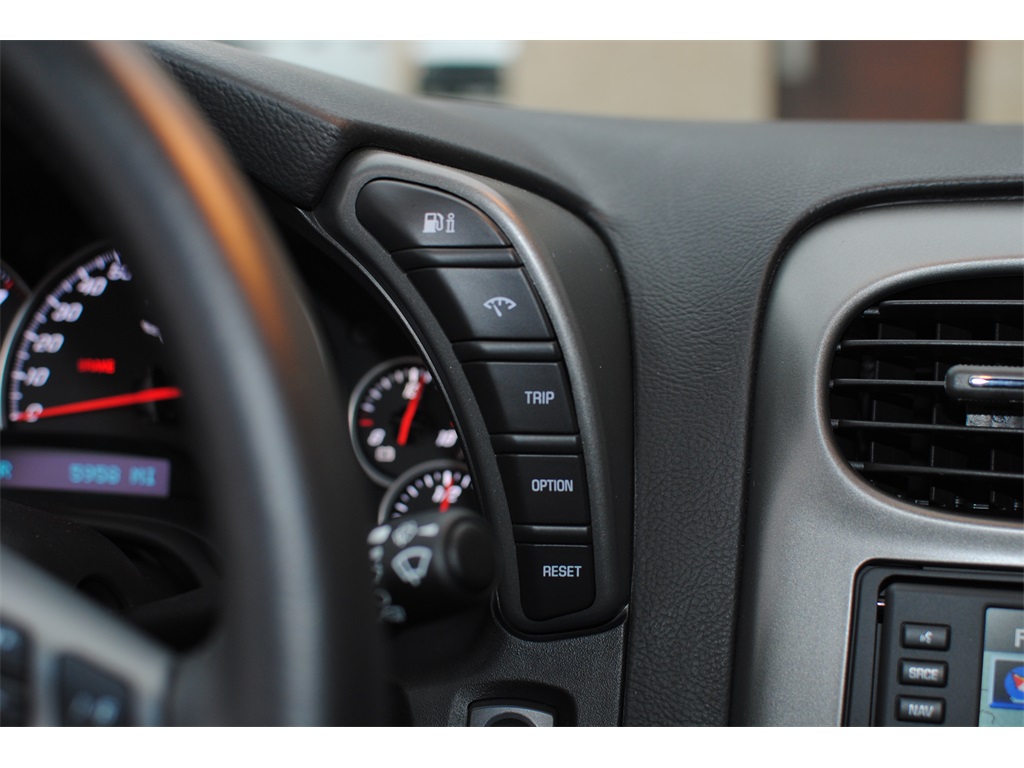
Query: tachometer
x,y
399,418
436,486
87,348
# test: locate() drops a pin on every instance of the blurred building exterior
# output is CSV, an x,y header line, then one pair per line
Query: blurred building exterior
x,y
978,81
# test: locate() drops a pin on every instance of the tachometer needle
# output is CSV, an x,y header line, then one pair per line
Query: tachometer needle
x,y
152,395
410,414
446,500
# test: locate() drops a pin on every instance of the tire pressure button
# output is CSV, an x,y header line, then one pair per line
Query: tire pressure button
x,y
555,580
473,304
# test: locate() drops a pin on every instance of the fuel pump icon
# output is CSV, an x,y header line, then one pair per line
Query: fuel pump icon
x,y
435,223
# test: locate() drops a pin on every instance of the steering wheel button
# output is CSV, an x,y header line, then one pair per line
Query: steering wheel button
x,y
402,215
545,490
13,702
555,580
89,697
482,303
528,398
13,651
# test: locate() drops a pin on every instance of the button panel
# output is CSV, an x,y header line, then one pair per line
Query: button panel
x,y
485,304
972,618
481,294
482,303
555,579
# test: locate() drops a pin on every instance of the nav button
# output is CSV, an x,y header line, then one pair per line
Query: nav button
x,y
914,710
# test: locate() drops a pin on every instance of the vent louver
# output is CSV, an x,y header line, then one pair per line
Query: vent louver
x,y
889,407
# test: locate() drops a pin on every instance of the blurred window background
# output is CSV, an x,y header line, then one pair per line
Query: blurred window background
x,y
977,81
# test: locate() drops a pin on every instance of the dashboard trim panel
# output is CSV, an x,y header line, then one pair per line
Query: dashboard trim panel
x,y
813,523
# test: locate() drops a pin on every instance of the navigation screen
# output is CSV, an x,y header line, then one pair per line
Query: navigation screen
x,y
40,469
1002,669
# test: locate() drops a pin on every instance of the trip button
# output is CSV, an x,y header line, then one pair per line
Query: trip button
x,y
530,398
923,673
402,215
482,303
930,636
555,580
545,490
914,710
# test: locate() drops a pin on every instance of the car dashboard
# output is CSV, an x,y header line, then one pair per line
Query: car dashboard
x,y
689,384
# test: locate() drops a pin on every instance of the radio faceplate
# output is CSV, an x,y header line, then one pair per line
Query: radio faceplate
x,y
937,647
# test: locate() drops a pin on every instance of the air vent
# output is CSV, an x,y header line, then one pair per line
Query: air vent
x,y
894,419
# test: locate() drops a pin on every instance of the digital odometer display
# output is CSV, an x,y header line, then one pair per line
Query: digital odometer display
x,y
41,469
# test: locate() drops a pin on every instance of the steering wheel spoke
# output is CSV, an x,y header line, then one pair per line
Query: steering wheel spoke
x,y
68,661
296,633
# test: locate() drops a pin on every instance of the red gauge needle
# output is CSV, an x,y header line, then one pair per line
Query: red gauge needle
x,y
410,414
445,501
152,395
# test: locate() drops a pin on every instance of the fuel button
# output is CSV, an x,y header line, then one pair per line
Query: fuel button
x,y
402,215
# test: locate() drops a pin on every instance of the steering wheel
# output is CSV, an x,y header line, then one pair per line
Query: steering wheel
x,y
295,643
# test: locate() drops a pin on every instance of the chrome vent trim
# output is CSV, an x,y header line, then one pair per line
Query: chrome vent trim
x,y
893,418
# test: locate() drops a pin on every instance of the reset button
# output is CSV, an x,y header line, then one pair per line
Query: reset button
x,y
555,580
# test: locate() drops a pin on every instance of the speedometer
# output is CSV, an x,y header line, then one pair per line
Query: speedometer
x,y
88,350
12,295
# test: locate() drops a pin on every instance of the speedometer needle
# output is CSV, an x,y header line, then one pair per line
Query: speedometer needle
x,y
152,395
